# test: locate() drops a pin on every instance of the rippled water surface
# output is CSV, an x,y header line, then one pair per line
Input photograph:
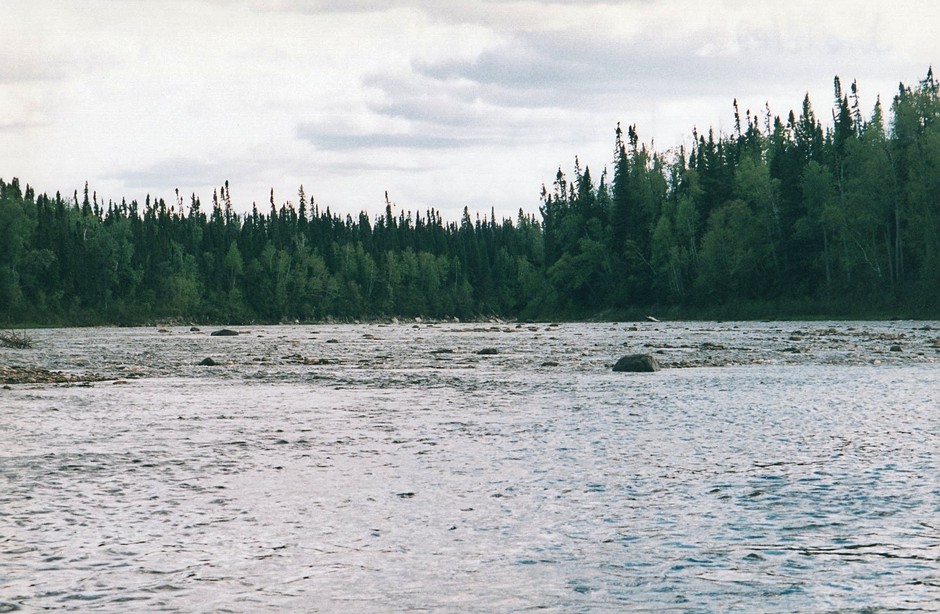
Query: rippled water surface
x,y
792,467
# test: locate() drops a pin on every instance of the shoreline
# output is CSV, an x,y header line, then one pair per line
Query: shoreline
x,y
338,350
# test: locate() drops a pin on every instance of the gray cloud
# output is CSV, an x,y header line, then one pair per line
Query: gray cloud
x,y
457,114
328,139
569,68
437,111
16,126
177,171
22,69
572,70
458,9
497,13
433,106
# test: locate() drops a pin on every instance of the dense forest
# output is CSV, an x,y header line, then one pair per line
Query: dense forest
x,y
782,217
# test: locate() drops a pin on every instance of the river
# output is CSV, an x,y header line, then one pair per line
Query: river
x,y
774,467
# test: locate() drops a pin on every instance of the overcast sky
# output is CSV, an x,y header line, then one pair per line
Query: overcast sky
x,y
443,103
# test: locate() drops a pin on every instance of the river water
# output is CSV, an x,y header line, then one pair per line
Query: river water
x,y
773,467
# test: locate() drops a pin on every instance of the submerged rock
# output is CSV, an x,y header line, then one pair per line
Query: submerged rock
x,y
209,362
708,345
488,352
637,363
318,361
225,332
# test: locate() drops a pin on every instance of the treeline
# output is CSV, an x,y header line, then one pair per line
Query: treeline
x,y
780,217
76,260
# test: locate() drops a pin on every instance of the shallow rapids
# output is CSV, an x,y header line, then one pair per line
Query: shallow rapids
x,y
786,467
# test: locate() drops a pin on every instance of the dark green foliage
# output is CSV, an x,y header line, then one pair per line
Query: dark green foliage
x,y
778,218
78,262
844,220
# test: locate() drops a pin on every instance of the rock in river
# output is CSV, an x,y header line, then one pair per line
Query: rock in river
x,y
637,363
225,332
209,362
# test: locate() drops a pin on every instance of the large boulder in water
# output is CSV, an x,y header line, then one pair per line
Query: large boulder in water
x,y
637,363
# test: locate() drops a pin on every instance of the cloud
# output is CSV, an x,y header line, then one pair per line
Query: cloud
x,y
177,171
188,172
570,69
461,9
496,14
432,100
413,111
328,139
19,125
23,109
24,67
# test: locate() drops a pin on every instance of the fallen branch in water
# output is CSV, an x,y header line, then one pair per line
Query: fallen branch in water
x,y
19,341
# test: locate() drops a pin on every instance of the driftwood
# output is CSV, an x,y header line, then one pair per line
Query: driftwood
x,y
19,341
